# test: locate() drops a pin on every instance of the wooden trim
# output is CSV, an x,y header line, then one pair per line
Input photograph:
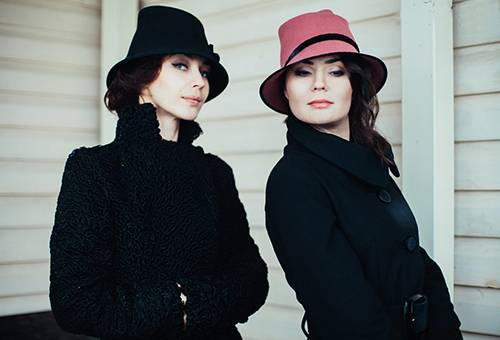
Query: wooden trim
x,y
118,23
43,66
47,35
428,125
84,6
38,97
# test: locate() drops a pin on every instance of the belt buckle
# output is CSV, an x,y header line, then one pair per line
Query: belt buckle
x,y
415,313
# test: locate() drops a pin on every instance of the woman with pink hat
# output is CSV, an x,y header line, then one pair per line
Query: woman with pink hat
x,y
342,231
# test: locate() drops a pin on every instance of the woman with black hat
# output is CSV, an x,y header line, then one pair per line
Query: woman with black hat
x,y
342,231
150,239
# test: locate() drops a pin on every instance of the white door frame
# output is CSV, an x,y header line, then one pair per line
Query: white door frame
x,y
428,124
118,24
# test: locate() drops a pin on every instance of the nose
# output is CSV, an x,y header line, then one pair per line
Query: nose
x,y
319,82
198,80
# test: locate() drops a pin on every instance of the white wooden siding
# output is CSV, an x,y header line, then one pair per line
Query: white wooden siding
x,y
477,160
250,137
49,102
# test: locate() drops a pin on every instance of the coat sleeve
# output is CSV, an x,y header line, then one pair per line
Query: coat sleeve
x,y
239,286
317,259
443,323
85,295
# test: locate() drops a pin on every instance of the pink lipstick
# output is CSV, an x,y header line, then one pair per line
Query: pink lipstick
x,y
193,101
320,103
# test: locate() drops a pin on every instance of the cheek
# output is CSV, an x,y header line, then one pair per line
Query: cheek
x,y
347,97
346,101
345,91
348,93
162,93
162,83
206,89
296,92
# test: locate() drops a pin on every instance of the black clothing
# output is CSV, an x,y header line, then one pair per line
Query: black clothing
x,y
140,214
348,241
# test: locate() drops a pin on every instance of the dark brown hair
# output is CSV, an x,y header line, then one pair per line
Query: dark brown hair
x,y
364,108
130,80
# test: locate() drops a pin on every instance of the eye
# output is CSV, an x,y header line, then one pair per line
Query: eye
x,y
204,73
180,66
301,72
337,73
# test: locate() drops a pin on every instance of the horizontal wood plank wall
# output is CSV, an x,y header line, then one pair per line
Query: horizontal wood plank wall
x,y
49,104
477,160
250,137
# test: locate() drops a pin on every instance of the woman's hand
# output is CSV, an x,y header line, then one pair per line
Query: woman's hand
x,y
184,302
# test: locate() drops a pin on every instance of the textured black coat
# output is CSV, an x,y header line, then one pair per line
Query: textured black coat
x,y
139,214
348,241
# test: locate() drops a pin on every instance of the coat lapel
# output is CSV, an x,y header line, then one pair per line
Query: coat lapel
x,y
356,159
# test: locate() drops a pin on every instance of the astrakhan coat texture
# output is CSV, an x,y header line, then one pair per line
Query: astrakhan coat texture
x,y
139,214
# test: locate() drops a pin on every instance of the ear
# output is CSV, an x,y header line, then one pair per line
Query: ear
x,y
145,96
285,92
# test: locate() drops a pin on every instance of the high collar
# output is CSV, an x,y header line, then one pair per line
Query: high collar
x,y
354,158
138,123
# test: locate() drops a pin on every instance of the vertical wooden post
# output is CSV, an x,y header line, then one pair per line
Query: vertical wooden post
x,y
428,124
118,24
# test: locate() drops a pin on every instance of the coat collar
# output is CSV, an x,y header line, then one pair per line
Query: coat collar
x,y
138,123
354,158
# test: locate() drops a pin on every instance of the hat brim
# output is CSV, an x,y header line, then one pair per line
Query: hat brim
x,y
272,93
218,77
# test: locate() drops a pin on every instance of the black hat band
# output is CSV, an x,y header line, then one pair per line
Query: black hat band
x,y
319,38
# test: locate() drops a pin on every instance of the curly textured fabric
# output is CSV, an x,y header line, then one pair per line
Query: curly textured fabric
x,y
138,215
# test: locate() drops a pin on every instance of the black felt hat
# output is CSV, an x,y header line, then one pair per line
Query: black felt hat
x,y
165,30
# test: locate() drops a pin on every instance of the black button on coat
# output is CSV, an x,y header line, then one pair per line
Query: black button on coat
x,y
348,241
140,214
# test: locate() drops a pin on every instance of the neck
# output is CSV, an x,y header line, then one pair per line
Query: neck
x,y
339,129
169,125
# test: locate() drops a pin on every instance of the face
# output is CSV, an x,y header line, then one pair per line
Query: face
x,y
319,93
181,88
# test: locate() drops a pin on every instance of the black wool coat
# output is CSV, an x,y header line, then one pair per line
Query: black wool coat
x,y
348,241
137,216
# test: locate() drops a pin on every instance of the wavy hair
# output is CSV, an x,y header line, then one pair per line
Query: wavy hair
x,y
130,80
365,108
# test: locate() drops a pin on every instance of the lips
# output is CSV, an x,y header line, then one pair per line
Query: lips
x,y
193,100
320,103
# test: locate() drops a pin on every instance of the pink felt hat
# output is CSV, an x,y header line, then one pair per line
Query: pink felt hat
x,y
312,35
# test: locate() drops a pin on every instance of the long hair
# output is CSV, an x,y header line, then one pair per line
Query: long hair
x,y
364,108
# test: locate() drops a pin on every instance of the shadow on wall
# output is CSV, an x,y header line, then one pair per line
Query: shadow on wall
x,y
40,326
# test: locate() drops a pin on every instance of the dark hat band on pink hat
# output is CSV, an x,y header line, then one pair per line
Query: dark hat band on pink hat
x,y
319,38
313,35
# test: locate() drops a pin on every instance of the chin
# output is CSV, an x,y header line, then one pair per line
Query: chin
x,y
188,115
318,118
